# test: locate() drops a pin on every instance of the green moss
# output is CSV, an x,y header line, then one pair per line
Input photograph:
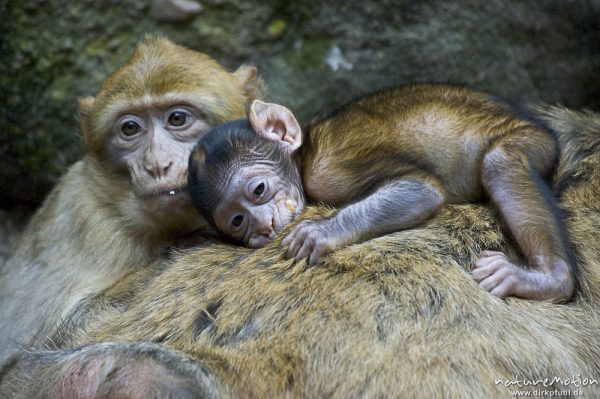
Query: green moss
x,y
310,53
276,28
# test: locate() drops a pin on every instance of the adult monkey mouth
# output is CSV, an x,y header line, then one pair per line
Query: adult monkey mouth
x,y
165,192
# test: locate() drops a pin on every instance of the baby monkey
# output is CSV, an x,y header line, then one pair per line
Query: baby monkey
x,y
389,161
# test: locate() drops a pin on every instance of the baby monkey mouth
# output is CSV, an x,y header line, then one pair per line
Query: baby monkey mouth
x,y
285,212
292,206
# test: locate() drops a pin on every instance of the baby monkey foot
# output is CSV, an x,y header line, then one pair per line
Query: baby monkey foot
x,y
312,239
497,274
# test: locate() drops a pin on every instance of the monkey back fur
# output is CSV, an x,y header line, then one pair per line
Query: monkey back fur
x,y
398,315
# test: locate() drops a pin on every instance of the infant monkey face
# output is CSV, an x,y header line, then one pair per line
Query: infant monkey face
x,y
257,204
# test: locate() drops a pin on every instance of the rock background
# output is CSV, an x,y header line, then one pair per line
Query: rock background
x,y
313,54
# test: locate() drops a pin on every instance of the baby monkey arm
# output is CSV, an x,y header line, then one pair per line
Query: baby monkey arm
x,y
397,205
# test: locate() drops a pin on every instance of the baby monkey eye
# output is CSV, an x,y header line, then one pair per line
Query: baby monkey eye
x,y
129,128
237,221
177,118
259,189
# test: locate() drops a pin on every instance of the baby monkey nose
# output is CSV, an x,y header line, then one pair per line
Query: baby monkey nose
x,y
265,228
267,231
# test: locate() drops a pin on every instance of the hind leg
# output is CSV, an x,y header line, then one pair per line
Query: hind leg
x,y
512,173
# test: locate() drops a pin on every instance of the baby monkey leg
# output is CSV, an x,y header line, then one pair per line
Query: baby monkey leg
x,y
396,205
512,172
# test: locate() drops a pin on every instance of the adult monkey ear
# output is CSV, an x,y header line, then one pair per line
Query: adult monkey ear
x,y
86,104
275,122
252,84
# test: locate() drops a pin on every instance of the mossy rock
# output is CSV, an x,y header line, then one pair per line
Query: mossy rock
x,y
314,56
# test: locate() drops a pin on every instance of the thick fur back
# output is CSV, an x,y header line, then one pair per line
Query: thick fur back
x,y
395,316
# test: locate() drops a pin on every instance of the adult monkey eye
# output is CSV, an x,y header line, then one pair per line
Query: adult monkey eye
x,y
130,128
177,118
237,221
259,189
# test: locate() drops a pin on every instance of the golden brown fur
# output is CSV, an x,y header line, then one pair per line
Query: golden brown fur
x,y
93,229
429,129
160,68
398,315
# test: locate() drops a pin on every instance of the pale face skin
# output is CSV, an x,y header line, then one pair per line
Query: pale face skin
x,y
154,143
257,204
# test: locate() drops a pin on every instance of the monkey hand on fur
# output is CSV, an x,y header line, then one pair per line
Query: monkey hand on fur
x,y
389,161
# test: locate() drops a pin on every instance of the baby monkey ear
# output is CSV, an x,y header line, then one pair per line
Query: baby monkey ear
x,y
275,122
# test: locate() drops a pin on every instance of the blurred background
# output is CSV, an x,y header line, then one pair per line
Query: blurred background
x,y
314,55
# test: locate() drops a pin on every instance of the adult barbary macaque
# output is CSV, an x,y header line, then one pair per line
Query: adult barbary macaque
x,y
116,209
390,161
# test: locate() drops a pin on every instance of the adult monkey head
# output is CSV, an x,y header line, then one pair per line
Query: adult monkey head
x,y
144,122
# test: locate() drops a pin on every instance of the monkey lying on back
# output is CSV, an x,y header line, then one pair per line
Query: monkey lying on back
x,y
389,161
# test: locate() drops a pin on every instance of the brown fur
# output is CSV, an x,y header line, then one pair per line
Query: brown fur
x,y
91,231
398,315
435,130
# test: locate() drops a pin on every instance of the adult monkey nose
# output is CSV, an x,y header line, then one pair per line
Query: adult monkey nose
x,y
157,162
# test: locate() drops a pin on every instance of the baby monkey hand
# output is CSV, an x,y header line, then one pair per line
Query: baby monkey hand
x,y
312,239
